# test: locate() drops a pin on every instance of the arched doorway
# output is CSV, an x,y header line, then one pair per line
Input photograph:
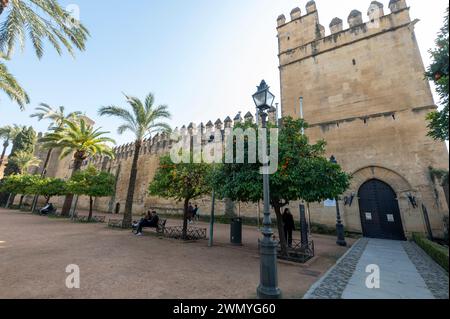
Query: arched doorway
x,y
380,213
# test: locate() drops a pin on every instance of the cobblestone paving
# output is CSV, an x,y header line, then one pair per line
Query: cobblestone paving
x,y
434,276
333,284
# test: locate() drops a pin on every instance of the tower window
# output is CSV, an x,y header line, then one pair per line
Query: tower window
x,y
354,62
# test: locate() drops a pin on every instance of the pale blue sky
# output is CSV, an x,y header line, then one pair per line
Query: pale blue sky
x,y
203,58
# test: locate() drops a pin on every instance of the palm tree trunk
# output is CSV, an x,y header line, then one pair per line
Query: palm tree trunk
x,y
43,173
78,162
127,218
2,157
90,208
280,227
47,160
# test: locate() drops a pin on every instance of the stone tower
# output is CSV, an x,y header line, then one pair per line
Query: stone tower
x,y
364,92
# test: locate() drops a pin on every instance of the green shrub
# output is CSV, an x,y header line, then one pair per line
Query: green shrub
x,y
437,252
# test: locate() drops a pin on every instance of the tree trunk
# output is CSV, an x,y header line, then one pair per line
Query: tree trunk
x,y
185,218
8,201
78,162
43,173
21,201
2,157
47,160
280,226
127,218
445,187
90,208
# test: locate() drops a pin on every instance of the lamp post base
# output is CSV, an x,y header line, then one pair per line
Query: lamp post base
x,y
268,293
340,235
268,287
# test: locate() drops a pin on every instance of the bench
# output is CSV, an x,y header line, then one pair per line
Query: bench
x,y
94,219
160,229
192,233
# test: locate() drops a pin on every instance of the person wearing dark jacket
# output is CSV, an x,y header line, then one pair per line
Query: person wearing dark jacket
x,y
289,226
151,219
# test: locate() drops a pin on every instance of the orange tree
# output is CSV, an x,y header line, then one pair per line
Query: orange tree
x,y
182,182
92,183
304,173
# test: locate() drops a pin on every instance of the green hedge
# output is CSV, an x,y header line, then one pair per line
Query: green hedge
x,y
437,252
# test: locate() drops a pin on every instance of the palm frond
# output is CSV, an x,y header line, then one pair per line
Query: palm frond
x,y
40,20
12,88
143,118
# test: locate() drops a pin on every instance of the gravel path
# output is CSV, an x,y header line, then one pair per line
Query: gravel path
x,y
35,251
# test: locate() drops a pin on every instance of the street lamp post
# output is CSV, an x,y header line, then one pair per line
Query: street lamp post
x,y
339,226
268,286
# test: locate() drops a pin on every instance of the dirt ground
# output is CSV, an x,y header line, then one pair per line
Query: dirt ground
x,y
35,251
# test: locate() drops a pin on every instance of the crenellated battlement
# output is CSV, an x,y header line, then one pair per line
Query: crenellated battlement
x,y
304,36
162,143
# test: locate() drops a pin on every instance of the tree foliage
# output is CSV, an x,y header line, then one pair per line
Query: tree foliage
x,y
8,133
11,87
19,184
80,138
83,141
303,173
40,20
24,161
92,183
24,142
438,72
182,182
49,187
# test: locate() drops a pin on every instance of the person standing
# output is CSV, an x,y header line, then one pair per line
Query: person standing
x,y
190,212
195,213
289,226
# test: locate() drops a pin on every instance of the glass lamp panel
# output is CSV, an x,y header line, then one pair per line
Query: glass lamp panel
x,y
270,98
260,98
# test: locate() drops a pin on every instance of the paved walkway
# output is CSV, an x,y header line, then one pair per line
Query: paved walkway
x,y
405,272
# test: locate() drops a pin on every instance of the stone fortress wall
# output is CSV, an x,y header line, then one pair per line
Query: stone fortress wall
x,y
364,93
151,151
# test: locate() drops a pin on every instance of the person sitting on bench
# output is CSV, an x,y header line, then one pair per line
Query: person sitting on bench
x,y
150,220
48,209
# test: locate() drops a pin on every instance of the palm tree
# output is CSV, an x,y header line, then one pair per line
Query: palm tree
x,y
7,134
40,20
11,87
24,161
142,121
80,139
57,117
